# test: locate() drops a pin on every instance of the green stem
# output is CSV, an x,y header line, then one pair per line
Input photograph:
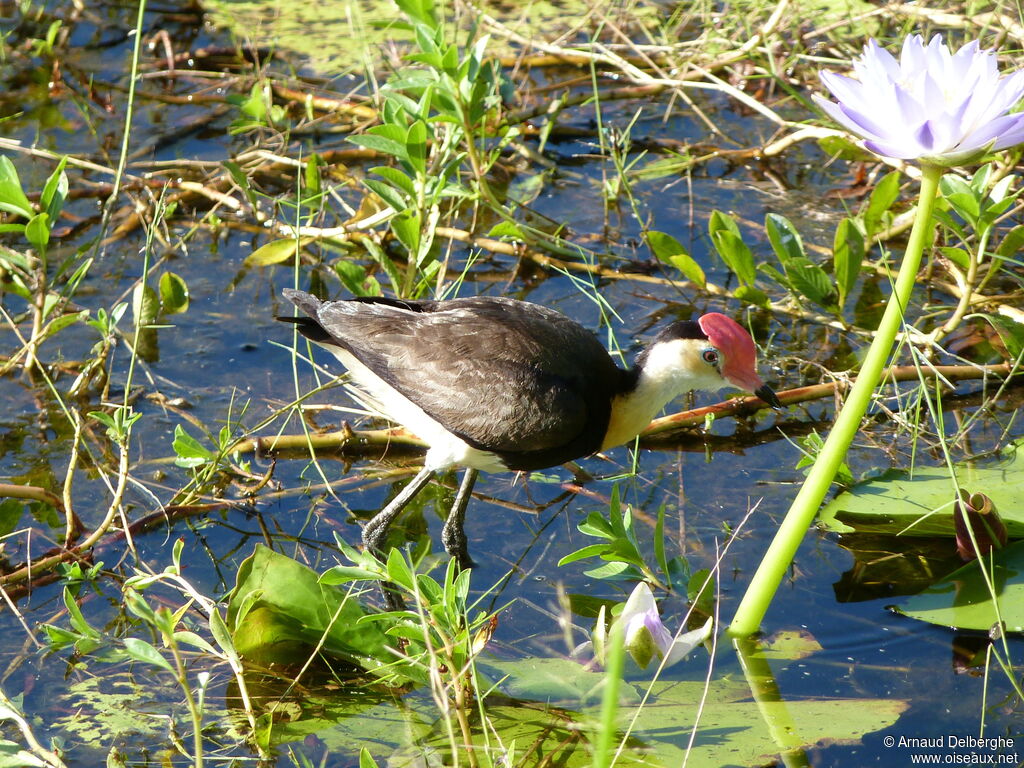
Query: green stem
x,y
805,506
615,663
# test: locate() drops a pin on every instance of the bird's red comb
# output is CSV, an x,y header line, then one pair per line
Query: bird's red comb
x,y
736,346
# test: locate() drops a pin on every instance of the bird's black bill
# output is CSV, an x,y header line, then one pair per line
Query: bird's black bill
x,y
767,394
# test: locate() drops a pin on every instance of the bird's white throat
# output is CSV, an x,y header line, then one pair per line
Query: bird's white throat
x,y
670,369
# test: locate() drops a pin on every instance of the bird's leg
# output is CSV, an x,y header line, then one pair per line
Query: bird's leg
x,y
452,535
579,474
376,531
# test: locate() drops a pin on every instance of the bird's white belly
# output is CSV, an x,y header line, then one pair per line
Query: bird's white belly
x,y
446,450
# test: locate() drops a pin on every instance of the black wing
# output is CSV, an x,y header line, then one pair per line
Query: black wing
x,y
514,378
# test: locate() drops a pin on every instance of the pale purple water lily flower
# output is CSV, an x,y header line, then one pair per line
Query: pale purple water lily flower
x,y
931,105
645,636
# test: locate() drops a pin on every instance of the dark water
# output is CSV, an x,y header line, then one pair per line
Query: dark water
x,y
229,360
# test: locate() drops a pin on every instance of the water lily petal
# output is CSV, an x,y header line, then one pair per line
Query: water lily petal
x,y
1006,131
913,59
862,123
686,642
640,601
905,151
877,63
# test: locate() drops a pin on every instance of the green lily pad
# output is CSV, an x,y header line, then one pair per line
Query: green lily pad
x,y
963,599
921,504
731,727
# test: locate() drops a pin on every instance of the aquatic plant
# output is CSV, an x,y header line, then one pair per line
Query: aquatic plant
x,y
950,109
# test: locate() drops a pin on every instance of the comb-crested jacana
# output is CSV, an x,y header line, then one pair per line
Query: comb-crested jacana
x,y
497,384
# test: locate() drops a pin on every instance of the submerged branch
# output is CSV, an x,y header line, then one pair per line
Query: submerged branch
x,y
665,426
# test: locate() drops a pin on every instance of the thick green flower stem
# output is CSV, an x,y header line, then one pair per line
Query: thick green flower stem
x,y
805,506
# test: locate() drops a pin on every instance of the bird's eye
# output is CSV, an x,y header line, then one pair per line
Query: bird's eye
x,y
710,356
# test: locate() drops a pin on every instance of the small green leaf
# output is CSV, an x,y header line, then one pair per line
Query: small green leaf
x,y
389,194
190,452
736,255
1012,242
55,191
811,281
752,295
803,276
506,230
592,550
615,571
142,651
670,251
966,205
137,604
173,293
958,256
596,525
700,590
312,176
882,198
274,252
659,543
37,232
416,146
406,227
719,221
848,252
356,279
398,569
1011,333
58,324
397,179
12,198
76,618
191,638
387,139
784,238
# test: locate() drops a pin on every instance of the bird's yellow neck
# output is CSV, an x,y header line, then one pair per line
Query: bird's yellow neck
x,y
669,369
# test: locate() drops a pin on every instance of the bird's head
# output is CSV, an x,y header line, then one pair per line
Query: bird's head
x,y
712,353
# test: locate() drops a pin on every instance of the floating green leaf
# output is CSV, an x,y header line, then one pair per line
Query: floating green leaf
x,y
921,504
963,599
730,731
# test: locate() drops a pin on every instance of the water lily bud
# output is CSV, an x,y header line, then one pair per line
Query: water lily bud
x,y
931,105
976,513
647,638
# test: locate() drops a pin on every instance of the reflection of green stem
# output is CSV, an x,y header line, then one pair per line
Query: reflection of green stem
x,y
781,725
780,554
